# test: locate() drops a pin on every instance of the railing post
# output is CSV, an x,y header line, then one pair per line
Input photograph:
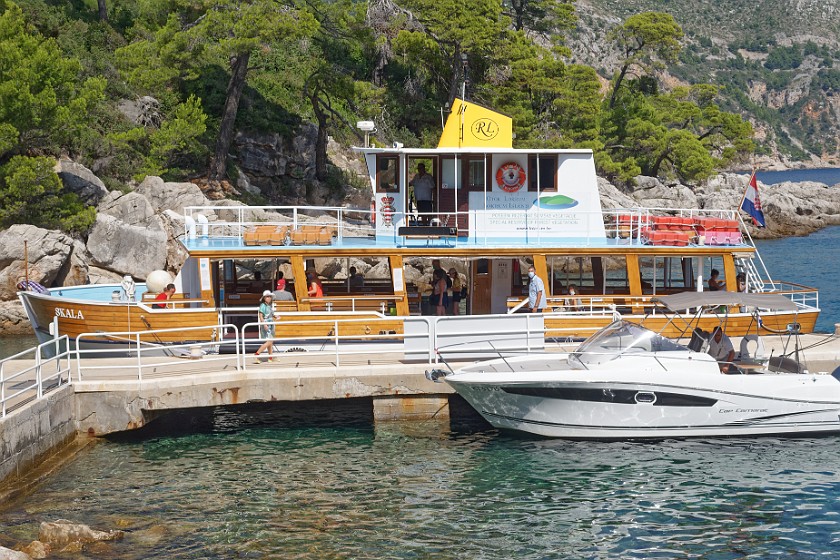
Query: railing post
x,y
335,334
433,357
2,389
38,377
139,359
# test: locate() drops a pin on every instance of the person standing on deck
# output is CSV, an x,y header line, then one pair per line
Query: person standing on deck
x,y
536,291
424,186
457,287
439,297
266,318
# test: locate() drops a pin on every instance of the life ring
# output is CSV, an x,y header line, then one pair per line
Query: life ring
x,y
510,177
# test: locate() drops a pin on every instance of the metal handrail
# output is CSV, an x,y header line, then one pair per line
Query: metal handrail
x,y
40,384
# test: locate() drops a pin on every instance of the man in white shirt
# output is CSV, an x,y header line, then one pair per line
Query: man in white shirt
x,y
424,186
721,349
536,291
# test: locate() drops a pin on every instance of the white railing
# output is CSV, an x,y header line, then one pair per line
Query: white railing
x,y
133,353
626,223
21,385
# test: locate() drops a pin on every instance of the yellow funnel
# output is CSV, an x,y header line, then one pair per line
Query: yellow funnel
x,y
473,126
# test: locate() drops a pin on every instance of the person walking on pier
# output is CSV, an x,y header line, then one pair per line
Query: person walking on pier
x,y
266,318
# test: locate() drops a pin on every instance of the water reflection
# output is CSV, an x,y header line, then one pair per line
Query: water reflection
x,y
254,486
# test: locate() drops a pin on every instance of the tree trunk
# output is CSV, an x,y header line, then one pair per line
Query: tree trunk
x,y
321,142
654,170
457,75
239,71
617,85
103,10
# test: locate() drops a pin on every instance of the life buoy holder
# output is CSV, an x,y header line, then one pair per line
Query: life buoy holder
x,y
510,177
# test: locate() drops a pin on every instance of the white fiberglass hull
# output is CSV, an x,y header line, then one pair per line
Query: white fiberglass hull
x,y
667,404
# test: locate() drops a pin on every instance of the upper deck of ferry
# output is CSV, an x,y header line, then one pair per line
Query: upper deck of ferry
x,y
472,193
257,231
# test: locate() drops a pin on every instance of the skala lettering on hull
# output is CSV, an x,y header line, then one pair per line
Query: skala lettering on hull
x,y
69,313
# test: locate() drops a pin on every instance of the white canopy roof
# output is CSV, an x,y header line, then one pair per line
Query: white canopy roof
x,y
687,300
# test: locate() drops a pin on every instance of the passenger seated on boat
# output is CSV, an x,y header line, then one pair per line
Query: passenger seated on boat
x,y
721,349
574,303
316,288
280,293
165,295
716,285
355,280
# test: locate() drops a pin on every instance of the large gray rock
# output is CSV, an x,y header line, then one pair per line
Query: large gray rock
x,y
789,208
128,249
262,154
131,208
103,276
144,111
79,179
176,253
612,197
75,269
61,532
47,252
171,196
13,319
661,196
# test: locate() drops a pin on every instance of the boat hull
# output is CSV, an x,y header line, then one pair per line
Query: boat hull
x,y
737,324
727,405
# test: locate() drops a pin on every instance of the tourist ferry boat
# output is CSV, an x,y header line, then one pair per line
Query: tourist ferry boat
x,y
496,210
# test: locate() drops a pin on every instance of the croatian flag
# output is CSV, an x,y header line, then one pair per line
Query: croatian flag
x,y
751,203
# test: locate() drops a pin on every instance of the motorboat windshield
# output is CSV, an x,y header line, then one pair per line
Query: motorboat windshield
x,y
620,338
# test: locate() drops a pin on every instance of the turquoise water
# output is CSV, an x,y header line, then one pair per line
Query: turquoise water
x,y
812,261
259,485
262,481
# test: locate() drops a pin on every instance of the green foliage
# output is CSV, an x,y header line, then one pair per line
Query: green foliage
x,y
827,80
41,101
784,58
335,62
178,137
31,193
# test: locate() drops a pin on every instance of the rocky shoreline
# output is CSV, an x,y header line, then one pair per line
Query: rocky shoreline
x,y
137,232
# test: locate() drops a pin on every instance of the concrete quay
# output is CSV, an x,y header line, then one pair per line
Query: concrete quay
x,y
109,395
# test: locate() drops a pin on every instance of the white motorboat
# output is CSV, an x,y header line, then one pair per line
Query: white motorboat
x,y
629,382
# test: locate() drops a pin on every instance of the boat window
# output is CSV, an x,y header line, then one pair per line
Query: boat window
x,y
622,338
387,174
476,174
369,276
542,170
590,275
